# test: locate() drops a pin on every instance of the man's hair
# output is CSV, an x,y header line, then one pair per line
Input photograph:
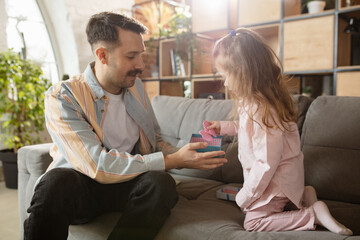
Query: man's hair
x,y
103,27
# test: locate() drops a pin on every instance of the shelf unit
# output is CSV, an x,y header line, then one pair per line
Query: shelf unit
x,y
313,48
158,76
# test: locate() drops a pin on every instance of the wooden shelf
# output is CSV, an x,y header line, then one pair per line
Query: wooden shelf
x,y
292,8
172,88
348,44
348,84
208,88
302,16
349,68
305,43
213,15
353,4
165,58
308,44
258,11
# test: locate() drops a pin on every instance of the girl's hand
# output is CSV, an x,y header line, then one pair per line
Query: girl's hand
x,y
215,125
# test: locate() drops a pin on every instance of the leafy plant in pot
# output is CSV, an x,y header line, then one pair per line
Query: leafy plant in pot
x,y
22,92
317,6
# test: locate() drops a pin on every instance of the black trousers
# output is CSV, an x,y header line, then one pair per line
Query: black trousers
x,y
65,196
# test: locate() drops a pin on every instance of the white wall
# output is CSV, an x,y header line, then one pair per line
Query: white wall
x,y
66,21
3,19
80,11
58,22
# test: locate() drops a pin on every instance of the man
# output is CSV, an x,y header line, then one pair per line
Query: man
x,y
108,155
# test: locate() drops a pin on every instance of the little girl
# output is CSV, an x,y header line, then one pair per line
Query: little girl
x,y
269,142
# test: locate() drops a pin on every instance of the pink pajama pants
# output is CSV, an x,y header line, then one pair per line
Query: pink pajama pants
x,y
272,217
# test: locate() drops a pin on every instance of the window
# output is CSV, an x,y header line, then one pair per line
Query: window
x,y
27,34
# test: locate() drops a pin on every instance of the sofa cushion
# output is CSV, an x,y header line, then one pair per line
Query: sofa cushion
x,y
169,112
207,217
302,104
98,229
347,214
232,171
204,109
331,146
192,188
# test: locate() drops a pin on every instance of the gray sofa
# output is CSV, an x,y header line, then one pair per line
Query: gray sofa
x,y
330,141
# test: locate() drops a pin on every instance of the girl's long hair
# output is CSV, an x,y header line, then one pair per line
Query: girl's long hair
x,y
254,75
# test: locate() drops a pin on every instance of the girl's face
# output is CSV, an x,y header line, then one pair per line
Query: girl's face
x,y
219,64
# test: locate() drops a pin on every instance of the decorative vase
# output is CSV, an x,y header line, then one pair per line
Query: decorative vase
x,y
316,6
9,162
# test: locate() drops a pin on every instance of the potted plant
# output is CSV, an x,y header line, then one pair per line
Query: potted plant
x,y
316,6
22,92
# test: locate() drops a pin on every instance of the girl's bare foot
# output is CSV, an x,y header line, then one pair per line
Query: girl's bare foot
x,y
323,217
309,196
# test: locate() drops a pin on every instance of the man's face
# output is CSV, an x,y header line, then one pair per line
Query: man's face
x,y
124,62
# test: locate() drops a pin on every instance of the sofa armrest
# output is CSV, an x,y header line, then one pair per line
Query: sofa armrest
x,y
32,163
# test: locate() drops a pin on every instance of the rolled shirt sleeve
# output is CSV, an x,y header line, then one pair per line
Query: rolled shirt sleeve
x,y
229,128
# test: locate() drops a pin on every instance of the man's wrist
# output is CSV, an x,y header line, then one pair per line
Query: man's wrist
x,y
170,161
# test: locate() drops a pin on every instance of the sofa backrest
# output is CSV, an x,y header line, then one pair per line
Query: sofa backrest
x,y
331,145
180,117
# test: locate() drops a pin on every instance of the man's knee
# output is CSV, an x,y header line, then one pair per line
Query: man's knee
x,y
58,183
163,185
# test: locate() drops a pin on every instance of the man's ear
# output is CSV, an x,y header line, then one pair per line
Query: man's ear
x,y
102,54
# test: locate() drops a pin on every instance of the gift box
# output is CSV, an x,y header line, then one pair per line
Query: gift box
x,y
214,145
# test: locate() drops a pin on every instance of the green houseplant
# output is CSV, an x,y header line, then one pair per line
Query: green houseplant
x,y
22,91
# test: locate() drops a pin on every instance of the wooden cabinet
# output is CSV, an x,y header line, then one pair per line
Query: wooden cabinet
x,y
309,44
348,83
317,50
258,11
210,15
214,17
209,88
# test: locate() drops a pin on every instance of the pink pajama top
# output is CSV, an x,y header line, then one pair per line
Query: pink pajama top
x,y
271,159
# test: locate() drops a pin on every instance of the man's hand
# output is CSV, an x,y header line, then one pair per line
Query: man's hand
x,y
187,157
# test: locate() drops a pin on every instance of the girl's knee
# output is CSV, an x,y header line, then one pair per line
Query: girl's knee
x,y
251,225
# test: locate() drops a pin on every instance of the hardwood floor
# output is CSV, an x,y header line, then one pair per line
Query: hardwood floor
x,y
9,213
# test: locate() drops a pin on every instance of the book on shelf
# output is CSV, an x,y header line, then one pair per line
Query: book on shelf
x,y
172,58
177,64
